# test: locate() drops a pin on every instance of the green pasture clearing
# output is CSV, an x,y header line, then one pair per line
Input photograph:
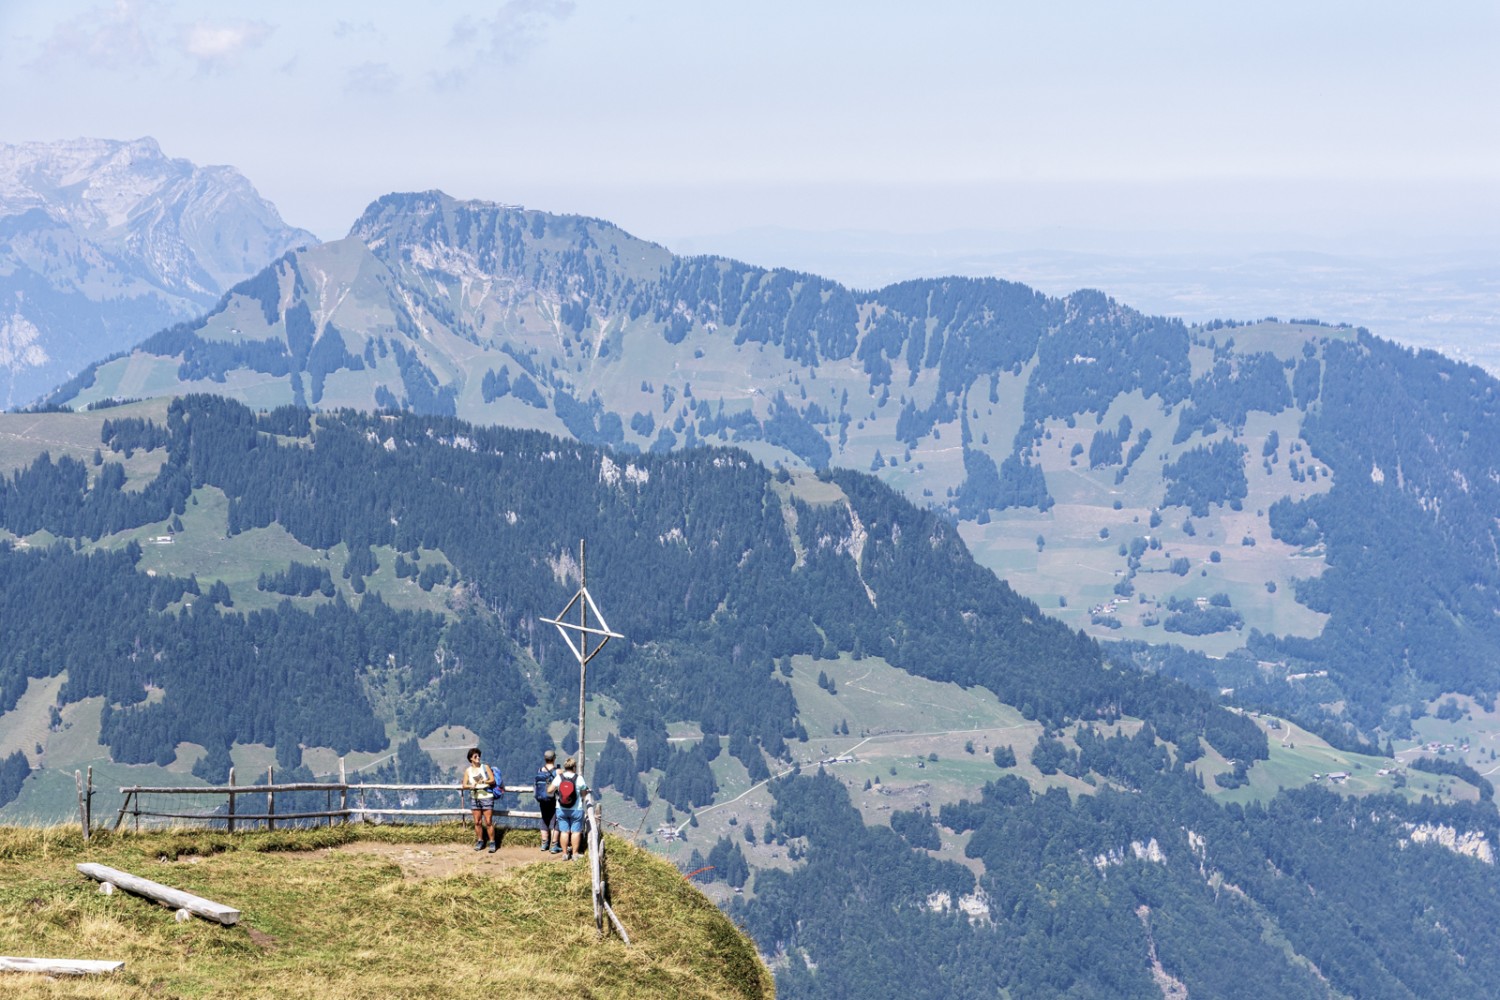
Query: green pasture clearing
x,y
878,698
135,375
1295,765
24,436
808,488
1285,340
28,725
1476,727
49,794
407,594
1079,565
205,549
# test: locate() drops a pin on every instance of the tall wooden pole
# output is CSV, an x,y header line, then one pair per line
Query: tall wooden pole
x,y
583,662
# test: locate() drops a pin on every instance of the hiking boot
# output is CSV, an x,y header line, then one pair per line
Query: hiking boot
x,y
494,846
478,845
546,847
556,849
569,857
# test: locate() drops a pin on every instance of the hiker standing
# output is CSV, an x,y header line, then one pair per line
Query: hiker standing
x,y
546,801
569,787
479,780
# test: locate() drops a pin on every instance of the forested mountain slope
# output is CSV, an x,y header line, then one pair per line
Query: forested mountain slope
x,y
1230,489
718,567
216,579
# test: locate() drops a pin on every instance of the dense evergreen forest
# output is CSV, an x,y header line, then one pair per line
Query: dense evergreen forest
x,y
1122,893
692,549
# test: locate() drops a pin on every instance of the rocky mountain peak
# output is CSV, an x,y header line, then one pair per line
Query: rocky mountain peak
x,y
110,240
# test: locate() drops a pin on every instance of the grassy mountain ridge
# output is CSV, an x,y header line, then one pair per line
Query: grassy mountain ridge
x,y
327,906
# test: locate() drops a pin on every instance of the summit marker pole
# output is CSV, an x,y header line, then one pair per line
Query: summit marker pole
x,y
589,640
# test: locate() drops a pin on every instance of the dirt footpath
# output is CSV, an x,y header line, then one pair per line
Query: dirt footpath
x,y
517,848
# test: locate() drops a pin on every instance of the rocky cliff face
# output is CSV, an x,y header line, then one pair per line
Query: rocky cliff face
x,y
103,242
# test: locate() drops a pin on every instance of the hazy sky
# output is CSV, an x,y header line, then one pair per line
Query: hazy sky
x,y
1276,123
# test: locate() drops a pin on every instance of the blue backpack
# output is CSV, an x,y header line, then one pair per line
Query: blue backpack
x,y
543,779
497,785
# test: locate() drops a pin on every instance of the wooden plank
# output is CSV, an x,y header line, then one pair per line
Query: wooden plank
x,y
452,811
176,898
297,786
221,817
293,786
59,966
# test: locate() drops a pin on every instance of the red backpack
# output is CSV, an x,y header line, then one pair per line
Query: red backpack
x,y
567,792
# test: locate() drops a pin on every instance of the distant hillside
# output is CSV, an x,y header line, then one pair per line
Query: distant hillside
x,y
893,768
1249,492
103,242
243,587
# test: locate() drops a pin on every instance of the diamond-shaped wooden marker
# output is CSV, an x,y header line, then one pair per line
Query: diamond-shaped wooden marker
x,y
586,606
582,631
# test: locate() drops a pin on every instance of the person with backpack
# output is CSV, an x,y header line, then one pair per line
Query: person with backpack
x,y
546,801
482,783
569,788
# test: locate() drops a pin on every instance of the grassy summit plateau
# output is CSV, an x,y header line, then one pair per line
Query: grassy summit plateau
x,y
362,911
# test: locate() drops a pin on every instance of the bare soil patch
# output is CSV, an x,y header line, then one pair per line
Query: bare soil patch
x,y
517,848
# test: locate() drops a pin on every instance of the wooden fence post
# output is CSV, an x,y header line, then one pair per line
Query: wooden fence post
x,y
129,796
83,818
270,798
88,804
343,793
596,868
231,800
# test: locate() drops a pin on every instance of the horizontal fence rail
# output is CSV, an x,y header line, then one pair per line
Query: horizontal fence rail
x,y
353,802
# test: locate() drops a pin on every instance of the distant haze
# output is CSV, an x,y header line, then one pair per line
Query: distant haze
x,y
1134,130
1448,301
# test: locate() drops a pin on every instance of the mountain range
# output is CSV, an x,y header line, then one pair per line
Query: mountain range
x,y
103,242
1058,649
1253,494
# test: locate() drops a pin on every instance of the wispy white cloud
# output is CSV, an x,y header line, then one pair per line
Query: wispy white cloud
x,y
120,35
219,45
354,29
506,39
371,79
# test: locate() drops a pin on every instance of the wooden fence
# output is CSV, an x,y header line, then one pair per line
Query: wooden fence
x,y
254,805
352,803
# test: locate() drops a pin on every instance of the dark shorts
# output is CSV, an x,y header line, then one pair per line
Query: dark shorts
x,y
549,813
570,820
483,805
